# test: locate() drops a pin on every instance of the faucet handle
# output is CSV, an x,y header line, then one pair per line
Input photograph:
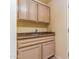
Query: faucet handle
x,y
36,30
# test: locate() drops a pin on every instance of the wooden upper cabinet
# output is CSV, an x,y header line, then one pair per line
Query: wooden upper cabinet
x,y
23,8
43,13
33,11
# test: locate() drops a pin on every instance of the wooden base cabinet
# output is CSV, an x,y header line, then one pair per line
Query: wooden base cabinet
x,y
37,48
48,49
32,52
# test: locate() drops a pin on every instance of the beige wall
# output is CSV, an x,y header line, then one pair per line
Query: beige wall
x,y
51,26
59,25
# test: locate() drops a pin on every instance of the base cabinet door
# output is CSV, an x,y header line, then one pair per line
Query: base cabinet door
x,y
32,52
48,49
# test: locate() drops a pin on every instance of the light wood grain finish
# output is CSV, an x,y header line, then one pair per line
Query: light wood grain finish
x,y
36,48
33,11
28,42
32,52
48,49
23,9
43,13
38,1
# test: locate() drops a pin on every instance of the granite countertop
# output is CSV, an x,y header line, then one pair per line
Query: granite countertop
x,y
34,35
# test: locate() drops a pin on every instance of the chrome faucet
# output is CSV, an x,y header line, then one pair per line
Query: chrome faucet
x,y
36,30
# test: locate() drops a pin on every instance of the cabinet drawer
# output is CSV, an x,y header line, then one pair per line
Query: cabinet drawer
x,y
27,42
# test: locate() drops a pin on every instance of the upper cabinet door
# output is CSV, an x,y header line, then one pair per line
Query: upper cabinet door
x,y
33,11
23,9
43,13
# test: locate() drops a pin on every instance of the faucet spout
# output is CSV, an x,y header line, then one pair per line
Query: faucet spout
x,y
36,30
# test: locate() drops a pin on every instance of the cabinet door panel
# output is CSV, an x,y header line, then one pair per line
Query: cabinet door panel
x,y
32,52
43,13
23,9
48,49
33,11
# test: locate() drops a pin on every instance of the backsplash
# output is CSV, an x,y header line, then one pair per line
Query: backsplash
x,y
26,23
30,29
29,26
